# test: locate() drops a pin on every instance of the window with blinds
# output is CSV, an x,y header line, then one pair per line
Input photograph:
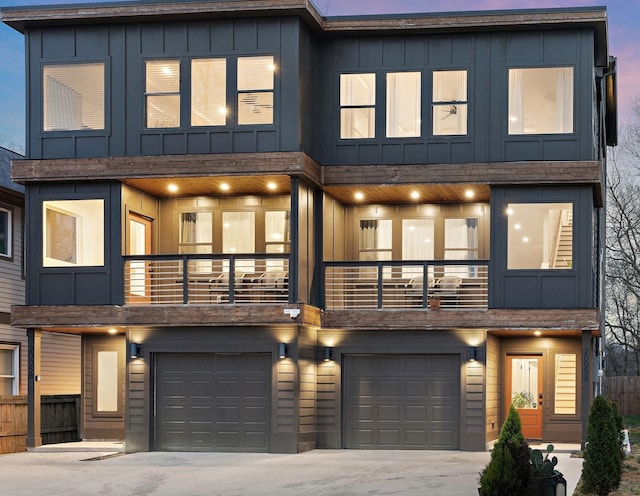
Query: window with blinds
x,y
208,92
8,369
255,90
162,93
565,384
5,232
73,96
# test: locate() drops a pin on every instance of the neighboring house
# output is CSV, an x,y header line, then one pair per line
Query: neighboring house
x,y
246,209
60,365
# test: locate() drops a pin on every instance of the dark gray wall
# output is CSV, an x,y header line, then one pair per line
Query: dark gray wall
x,y
124,49
572,288
487,58
306,96
75,285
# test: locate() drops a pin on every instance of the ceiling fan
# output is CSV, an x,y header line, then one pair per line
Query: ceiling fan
x,y
452,110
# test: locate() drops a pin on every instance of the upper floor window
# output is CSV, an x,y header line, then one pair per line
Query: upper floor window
x,y
162,93
5,232
73,233
208,92
9,369
540,236
255,90
449,97
541,100
357,106
403,104
73,96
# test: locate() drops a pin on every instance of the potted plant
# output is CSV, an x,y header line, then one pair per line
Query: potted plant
x,y
434,302
544,478
523,399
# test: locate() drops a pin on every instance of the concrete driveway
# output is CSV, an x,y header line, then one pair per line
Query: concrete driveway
x,y
318,472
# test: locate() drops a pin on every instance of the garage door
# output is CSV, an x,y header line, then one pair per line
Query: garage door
x,y
402,401
213,402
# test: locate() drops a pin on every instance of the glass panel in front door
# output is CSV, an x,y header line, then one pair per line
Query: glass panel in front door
x,y
524,383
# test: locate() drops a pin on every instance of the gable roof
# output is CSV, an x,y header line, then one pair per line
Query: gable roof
x,y
9,191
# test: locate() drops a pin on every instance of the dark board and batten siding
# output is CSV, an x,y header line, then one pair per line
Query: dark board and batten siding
x,y
124,48
487,58
76,285
530,289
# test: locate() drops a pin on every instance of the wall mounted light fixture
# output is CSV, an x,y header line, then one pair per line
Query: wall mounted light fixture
x,y
135,350
328,354
282,350
472,353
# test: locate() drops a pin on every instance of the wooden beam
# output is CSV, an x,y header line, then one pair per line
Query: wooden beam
x,y
82,319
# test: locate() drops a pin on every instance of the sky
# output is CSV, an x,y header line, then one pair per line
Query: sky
x,y
624,43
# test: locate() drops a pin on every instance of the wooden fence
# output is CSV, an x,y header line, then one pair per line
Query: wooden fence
x,y
624,392
13,424
59,417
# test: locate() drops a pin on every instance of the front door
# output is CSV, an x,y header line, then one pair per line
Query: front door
x,y
139,244
525,391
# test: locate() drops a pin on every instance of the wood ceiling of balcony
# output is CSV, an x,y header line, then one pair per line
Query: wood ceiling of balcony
x,y
258,185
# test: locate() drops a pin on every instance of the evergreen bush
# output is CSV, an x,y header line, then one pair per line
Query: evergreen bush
x,y
508,472
602,467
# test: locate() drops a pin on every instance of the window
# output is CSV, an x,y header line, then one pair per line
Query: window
x,y
461,243
449,103
357,106
565,384
417,244
73,97
73,233
107,382
196,236
9,368
403,104
255,90
541,100
162,93
208,92
6,228
238,236
277,236
539,236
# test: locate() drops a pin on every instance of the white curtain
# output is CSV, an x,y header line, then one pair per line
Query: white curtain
x,y
564,100
516,104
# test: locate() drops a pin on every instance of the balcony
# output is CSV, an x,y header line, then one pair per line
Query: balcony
x,y
455,285
249,279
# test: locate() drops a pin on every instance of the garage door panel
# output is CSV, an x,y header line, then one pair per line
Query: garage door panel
x,y
389,389
211,402
415,413
400,401
389,412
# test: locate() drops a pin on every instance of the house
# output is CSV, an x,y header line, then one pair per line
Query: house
x,y
248,210
60,365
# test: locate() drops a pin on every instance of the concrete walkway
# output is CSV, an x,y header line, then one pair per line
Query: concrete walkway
x,y
95,471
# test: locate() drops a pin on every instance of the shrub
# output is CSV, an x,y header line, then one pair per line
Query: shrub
x,y
507,473
602,467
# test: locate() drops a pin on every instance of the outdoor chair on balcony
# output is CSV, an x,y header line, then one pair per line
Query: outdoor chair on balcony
x,y
414,290
447,288
219,286
273,287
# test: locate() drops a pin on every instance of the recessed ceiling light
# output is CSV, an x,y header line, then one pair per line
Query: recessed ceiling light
x,y
224,187
517,226
415,195
112,331
509,211
173,188
469,193
359,196
537,333
525,239
272,186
